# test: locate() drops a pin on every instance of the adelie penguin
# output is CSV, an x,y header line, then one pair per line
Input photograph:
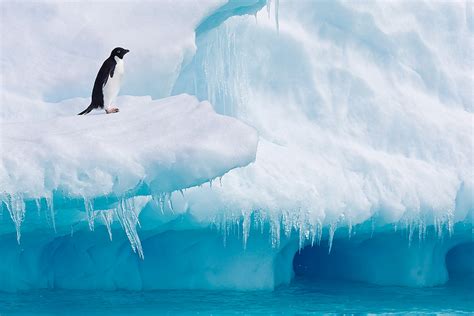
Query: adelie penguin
x,y
107,83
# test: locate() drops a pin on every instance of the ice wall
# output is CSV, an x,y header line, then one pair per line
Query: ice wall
x,y
363,111
365,118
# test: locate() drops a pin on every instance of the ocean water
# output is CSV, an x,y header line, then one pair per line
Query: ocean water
x,y
302,296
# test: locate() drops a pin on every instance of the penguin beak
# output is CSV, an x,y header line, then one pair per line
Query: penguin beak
x,y
126,51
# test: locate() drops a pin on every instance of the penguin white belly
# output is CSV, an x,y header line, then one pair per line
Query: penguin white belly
x,y
112,86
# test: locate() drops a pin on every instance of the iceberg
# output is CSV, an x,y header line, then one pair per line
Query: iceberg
x,y
319,139
365,128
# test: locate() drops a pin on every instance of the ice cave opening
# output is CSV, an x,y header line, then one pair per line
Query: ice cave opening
x,y
460,264
389,258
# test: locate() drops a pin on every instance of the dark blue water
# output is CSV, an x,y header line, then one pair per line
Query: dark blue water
x,y
300,297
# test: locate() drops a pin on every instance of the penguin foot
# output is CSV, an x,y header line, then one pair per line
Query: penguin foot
x,y
111,110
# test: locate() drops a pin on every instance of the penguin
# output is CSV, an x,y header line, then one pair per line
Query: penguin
x,y
107,83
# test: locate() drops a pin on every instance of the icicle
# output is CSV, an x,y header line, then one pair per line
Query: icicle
x,y
237,226
269,4
320,232
220,181
316,233
349,224
245,227
424,231
420,230
262,226
438,227
50,206
158,202
108,218
259,221
89,212
306,234
224,225
411,229
16,208
332,230
162,202
128,218
449,223
313,234
287,225
182,193
38,206
275,233
300,235
170,203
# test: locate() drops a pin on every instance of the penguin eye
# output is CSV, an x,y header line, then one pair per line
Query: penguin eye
x,y
118,52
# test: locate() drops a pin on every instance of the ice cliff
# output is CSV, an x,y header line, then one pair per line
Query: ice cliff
x,y
352,122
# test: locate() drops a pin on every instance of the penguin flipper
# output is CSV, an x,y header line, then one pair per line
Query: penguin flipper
x,y
88,110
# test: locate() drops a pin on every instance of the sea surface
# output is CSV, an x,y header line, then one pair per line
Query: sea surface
x,y
300,297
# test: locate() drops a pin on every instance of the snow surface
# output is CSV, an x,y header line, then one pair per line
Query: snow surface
x,y
364,115
168,145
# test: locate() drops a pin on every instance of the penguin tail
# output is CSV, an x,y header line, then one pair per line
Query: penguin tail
x,y
89,108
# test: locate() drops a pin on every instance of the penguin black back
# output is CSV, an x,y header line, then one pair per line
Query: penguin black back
x,y
106,71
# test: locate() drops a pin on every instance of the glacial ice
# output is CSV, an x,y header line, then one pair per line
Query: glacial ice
x,y
362,168
150,148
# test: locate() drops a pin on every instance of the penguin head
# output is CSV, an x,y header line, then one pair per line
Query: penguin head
x,y
119,52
